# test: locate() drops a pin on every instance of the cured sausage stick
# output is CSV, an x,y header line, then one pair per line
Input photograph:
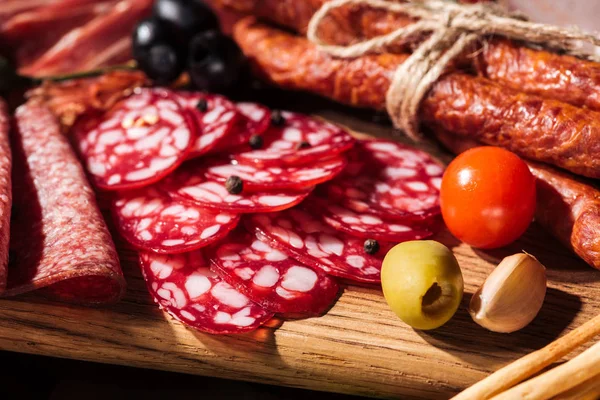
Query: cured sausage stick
x,y
557,76
473,107
59,239
5,191
566,206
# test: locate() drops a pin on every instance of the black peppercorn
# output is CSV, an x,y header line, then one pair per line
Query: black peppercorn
x,y
256,142
277,119
371,246
234,184
202,105
304,145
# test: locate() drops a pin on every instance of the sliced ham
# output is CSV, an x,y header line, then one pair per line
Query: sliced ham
x,y
85,47
30,34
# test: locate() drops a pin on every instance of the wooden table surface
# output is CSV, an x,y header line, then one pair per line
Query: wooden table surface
x,y
358,347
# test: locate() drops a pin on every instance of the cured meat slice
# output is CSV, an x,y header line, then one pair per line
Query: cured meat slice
x,y
299,140
272,178
5,191
11,8
58,237
253,120
138,142
189,184
312,242
184,286
270,278
390,180
30,34
365,225
78,49
151,220
215,122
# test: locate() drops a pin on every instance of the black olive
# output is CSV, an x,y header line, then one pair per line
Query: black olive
x,y
202,105
187,16
371,246
215,62
234,184
156,50
256,142
161,63
277,119
149,32
153,31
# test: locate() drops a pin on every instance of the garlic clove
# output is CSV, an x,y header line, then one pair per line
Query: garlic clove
x,y
511,296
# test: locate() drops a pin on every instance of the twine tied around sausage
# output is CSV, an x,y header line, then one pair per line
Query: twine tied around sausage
x,y
452,28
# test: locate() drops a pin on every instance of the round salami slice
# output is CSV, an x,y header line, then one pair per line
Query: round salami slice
x,y
188,183
151,220
298,139
253,120
139,141
184,286
312,242
390,180
272,178
364,225
215,118
270,278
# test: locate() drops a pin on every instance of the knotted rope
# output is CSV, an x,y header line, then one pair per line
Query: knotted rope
x,y
452,28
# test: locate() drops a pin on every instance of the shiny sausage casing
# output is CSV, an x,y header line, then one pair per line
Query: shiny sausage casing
x,y
568,207
474,107
291,62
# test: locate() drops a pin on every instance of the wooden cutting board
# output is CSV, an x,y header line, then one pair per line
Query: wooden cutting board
x,y
358,347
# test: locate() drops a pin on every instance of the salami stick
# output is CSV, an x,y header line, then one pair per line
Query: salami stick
x,y
473,107
59,238
566,206
5,192
551,75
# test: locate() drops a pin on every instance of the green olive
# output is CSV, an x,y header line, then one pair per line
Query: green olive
x,y
422,283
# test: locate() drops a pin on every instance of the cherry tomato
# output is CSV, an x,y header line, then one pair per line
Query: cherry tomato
x,y
487,197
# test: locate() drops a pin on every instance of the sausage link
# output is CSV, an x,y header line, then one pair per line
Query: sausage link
x,y
531,126
474,107
292,62
556,76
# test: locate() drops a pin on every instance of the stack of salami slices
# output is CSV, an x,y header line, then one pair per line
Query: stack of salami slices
x,y
241,213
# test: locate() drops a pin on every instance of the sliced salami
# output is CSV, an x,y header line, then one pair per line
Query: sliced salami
x,y
189,184
59,239
390,180
215,118
272,279
139,141
253,120
299,139
312,242
364,225
151,220
273,178
5,191
184,286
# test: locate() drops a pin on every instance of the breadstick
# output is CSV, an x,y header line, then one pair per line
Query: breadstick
x,y
558,380
534,362
589,390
